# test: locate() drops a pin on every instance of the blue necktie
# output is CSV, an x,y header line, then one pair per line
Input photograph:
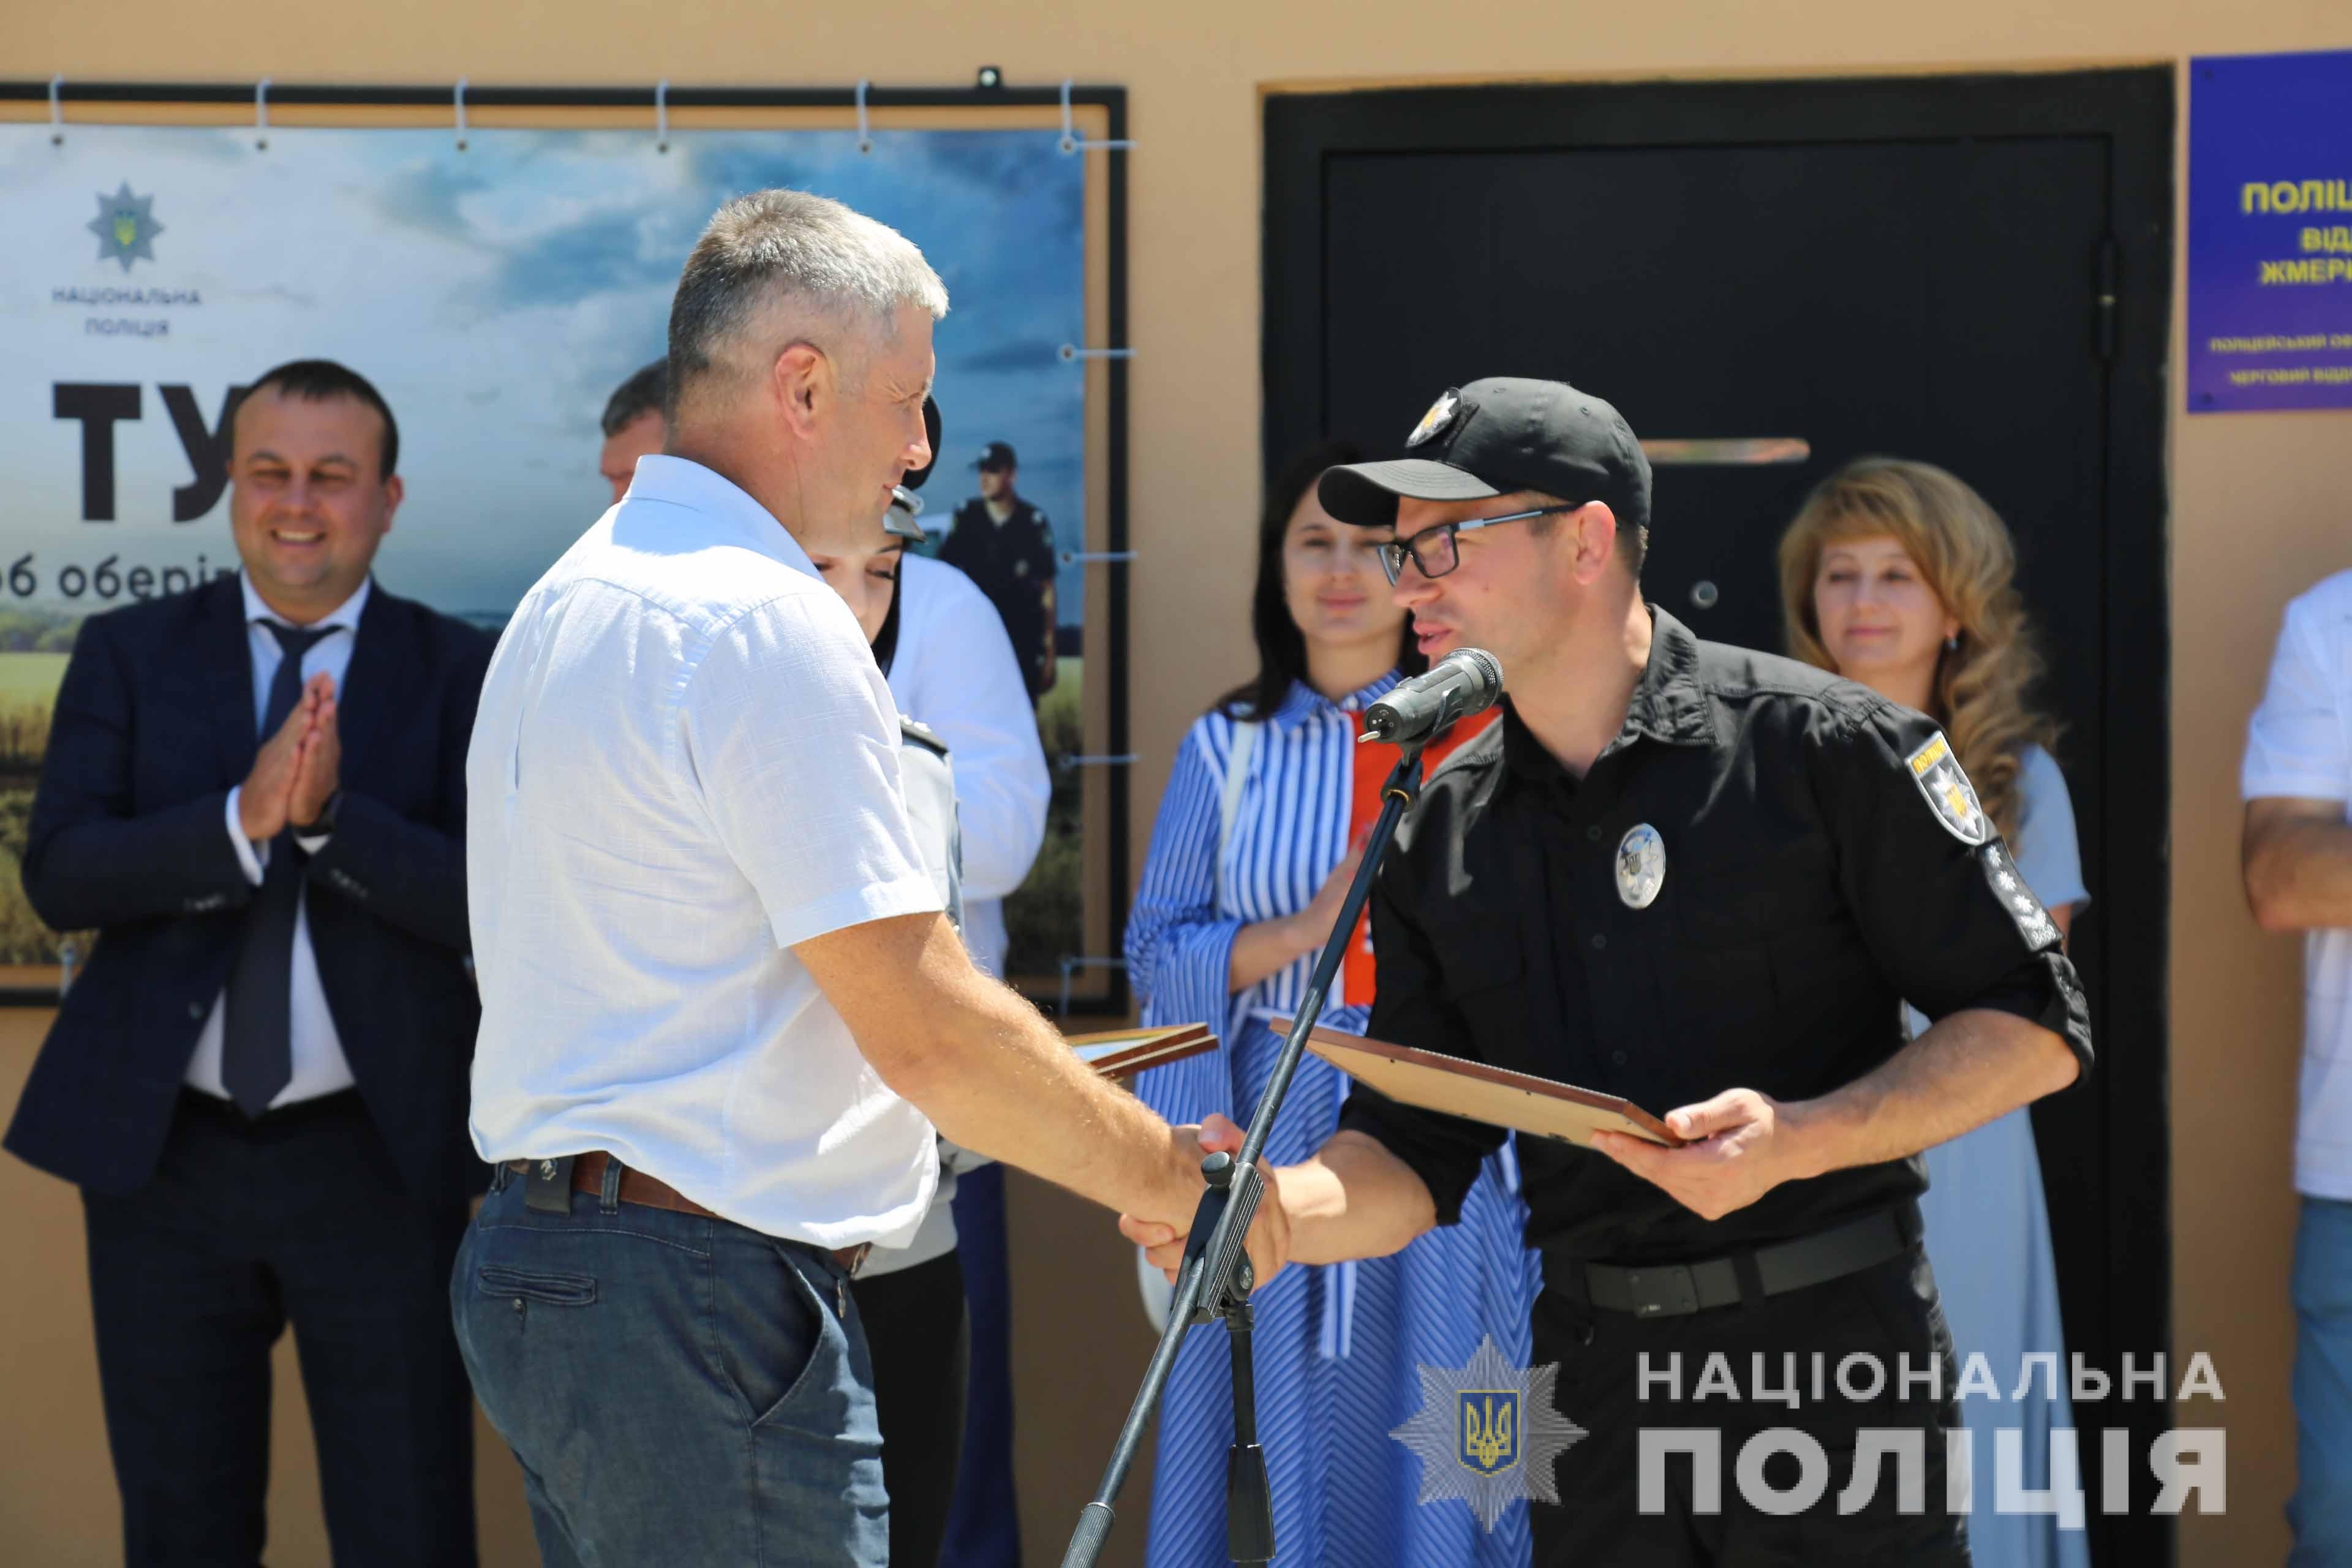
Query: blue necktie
x,y
256,1034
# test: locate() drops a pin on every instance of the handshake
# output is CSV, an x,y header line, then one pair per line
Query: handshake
x,y
1163,1242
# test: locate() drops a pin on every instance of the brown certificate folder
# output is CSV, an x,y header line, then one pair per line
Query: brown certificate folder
x,y
1473,1089
1116,1053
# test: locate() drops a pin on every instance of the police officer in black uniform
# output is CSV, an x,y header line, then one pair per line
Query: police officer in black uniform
x,y
1700,879
1005,545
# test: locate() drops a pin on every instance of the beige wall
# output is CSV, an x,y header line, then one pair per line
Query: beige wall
x,y
2257,511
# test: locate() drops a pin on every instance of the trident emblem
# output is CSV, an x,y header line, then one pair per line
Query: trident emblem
x,y
1490,1429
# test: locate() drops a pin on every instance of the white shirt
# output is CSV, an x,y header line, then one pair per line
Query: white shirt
x,y
955,671
319,1067
684,764
2296,747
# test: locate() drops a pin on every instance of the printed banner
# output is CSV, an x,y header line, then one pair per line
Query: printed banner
x,y
2270,231
496,295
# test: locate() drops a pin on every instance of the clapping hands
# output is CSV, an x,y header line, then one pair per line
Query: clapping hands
x,y
297,769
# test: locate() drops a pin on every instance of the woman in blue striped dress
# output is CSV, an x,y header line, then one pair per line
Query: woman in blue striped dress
x,y
1258,834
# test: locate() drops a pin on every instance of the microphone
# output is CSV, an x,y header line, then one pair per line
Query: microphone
x,y
1468,680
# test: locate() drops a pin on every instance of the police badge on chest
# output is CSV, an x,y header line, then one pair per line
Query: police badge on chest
x,y
1641,866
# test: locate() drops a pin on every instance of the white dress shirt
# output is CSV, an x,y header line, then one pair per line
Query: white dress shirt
x,y
319,1067
686,762
955,671
2298,748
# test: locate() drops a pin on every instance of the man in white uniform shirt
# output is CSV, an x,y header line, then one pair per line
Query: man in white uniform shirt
x,y
721,1010
2298,870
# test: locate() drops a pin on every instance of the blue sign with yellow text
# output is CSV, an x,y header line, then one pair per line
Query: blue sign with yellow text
x,y
2270,231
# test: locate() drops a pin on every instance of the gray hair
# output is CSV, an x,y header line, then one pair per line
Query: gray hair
x,y
645,392
816,257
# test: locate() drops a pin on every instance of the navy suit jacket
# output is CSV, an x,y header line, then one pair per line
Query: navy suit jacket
x,y
153,726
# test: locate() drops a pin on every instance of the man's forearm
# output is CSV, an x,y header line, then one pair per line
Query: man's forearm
x,y
1968,1069
2298,865
996,1078
1015,1091
104,871
1354,1199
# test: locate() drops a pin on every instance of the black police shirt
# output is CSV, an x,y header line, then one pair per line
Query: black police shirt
x,y
1819,868
1013,563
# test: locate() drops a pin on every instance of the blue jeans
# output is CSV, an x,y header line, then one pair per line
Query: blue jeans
x,y
2321,1509
679,1391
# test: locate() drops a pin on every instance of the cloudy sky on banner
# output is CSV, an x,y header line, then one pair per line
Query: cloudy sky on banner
x,y
496,295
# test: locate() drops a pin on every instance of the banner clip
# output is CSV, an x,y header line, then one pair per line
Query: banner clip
x,y
57,111
1072,141
261,114
864,130
661,115
1071,353
461,114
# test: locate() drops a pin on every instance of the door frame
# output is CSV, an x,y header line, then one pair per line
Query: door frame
x,y
2124,1117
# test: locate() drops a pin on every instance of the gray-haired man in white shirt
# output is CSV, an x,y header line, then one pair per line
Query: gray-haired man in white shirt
x,y
721,1011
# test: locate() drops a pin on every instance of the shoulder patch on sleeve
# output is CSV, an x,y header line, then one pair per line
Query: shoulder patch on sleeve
x,y
2017,901
1947,792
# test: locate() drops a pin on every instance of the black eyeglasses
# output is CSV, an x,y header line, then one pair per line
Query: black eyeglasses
x,y
1433,549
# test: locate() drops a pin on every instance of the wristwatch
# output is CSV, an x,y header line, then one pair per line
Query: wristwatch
x,y
325,824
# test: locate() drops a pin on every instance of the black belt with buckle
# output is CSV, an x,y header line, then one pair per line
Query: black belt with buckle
x,y
1677,1290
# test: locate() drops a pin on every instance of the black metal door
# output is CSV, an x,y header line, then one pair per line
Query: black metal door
x,y
1972,271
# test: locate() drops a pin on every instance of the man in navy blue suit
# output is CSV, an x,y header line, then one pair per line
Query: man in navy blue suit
x,y
255,791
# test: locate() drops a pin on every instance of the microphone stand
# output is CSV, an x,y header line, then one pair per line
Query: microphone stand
x,y
1215,1278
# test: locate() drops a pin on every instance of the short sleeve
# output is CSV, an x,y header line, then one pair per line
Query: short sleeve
x,y
1947,917
2048,856
794,752
1410,1009
2295,741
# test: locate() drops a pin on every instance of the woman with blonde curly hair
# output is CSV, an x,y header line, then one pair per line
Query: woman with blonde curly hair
x,y
1897,575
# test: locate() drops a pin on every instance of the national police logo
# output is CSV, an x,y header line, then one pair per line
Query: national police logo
x,y
125,226
1949,794
1486,1432
1641,866
1490,1429
1438,420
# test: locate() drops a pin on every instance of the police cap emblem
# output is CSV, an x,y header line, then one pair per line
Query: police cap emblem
x,y
1438,420
1948,794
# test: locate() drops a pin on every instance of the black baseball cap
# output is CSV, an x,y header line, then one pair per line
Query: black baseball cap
x,y
1495,437
997,455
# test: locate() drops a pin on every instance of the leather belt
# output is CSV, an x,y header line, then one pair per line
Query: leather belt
x,y
1677,1290
653,1192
